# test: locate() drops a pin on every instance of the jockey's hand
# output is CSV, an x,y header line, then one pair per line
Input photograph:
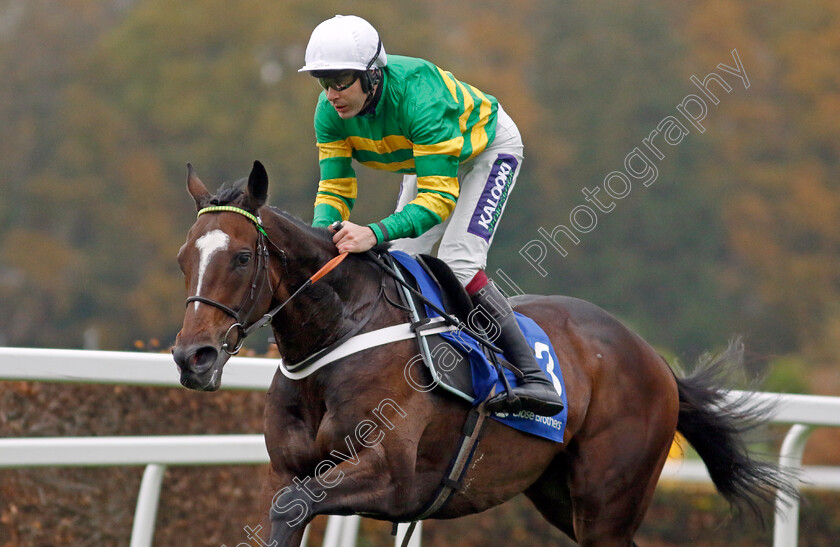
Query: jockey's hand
x,y
352,238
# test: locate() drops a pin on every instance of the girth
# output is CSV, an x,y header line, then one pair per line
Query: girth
x,y
470,432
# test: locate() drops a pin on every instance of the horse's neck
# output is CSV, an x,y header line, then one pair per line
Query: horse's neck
x,y
325,311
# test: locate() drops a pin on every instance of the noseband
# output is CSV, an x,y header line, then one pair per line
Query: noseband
x,y
262,265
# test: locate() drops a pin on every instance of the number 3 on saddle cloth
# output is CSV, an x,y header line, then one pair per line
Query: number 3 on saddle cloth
x,y
458,363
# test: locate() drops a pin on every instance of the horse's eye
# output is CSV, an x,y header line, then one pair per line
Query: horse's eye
x,y
242,259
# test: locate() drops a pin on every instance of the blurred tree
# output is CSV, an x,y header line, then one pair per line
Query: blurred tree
x,y
41,45
779,147
656,257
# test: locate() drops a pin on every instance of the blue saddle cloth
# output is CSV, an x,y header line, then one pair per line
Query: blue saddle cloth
x,y
484,375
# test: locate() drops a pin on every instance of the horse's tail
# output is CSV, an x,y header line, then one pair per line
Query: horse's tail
x,y
714,424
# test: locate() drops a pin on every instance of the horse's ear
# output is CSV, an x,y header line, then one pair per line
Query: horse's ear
x,y
196,188
257,186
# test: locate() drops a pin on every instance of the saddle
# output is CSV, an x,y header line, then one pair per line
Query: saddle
x,y
446,361
460,364
455,299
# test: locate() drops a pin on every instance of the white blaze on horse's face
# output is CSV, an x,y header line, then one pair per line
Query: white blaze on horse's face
x,y
207,246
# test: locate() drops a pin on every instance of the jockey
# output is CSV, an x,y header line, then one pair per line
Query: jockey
x,y
459,154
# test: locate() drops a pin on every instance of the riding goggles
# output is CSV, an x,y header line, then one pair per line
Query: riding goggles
x,y
338,80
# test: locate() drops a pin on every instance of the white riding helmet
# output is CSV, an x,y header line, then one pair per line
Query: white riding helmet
x,y
345,42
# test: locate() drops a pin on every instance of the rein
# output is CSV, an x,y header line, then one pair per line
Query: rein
x,y
262,260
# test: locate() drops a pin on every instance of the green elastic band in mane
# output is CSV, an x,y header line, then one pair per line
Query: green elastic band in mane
x,y
230,209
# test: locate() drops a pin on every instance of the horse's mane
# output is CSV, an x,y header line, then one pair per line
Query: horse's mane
x,y
324,233
321,233
232,194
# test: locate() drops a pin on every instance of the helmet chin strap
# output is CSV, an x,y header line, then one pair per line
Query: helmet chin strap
x,y
372,79
373,94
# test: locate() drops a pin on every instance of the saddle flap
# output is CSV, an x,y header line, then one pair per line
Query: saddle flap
x,y
454,296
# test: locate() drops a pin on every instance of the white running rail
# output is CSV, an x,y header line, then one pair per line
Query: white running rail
x,y
803,412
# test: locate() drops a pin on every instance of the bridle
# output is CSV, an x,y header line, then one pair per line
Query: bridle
x,y
258,282
262,254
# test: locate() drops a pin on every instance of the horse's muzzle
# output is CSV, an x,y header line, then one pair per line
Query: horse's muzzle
x,y
200,366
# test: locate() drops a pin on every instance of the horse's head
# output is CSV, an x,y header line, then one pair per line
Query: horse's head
x,y
226,273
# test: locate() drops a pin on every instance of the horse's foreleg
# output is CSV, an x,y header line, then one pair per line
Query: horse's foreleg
x,y
290,534
289,513
364,484
283,535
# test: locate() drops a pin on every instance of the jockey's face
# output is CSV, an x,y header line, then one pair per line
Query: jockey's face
x,y
348,102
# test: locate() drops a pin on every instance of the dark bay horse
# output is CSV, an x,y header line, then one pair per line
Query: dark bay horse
x,y
356,438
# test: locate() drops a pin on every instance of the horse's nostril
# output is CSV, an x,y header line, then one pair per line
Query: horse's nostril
x,y
203,358
195,359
